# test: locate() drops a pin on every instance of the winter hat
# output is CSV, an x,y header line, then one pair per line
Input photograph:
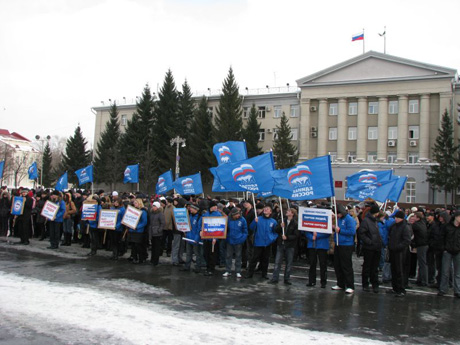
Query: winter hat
x,y
212,204
260,206
374,209
399,214
156,204
414,209
195,207
235,211
56,192
114,193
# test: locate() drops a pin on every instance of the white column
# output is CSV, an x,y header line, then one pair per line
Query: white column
x,y
322,127
304,129
342,131
403,129
424,141
382,142
361,143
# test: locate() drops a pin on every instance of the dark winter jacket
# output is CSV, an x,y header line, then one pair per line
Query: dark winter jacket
x,y
452,238
369,233
420,234
436,236
156,223
5,206
291,231
399,236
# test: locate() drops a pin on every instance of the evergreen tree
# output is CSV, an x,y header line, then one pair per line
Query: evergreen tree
x,y
76,156
285,152
47,159
107,168
251,133
185,118
229,123
444,175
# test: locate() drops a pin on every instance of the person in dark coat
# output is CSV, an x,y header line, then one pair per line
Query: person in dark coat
x,y
451,256
399,237
24,220
5,207
435,250
420,242
156,226
369,235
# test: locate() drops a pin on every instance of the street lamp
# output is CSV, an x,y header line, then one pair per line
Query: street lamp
x,y
177,141
42,140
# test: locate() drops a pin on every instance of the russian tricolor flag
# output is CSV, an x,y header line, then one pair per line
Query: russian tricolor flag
x,y
358,37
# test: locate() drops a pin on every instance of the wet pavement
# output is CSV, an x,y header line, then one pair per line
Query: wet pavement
x,y
420,317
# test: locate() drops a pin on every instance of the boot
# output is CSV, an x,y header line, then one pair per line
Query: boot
x,y
69,239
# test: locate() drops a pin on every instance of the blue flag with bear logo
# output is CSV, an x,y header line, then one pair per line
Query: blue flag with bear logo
x,y
230,152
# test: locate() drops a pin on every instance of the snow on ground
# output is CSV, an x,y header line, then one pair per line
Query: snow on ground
x,y
93,315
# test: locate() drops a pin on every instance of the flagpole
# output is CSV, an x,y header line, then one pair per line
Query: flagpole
x,y
364,38
384,40
254,202
336,220
282,217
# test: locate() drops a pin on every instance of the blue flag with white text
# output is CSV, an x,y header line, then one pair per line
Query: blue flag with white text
x,y
230,152
188,185
367,177
309,180
33,171
165,183
62,183
85,175
377,191
395,193
216,185
252,174
131,174
2,165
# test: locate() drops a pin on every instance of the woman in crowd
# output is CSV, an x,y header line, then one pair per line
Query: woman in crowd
x,y
156,226
136,236
70,210
5,207
117,235
56,224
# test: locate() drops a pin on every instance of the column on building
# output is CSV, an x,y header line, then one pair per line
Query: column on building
x,y
424,141
322,127
444,103
304,128
361,143
403,129
342,131
382,142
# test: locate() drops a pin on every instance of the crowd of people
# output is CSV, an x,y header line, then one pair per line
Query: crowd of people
x,y
413,243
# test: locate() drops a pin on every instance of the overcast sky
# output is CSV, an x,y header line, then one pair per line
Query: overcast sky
x,y
60,58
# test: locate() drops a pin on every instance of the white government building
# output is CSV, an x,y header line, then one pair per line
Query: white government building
x,y
374,111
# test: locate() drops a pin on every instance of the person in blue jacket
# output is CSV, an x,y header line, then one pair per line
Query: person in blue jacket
x,y
56,224
117,235
318,245
192,244
237,232
344,238
136,236
93,230
264,235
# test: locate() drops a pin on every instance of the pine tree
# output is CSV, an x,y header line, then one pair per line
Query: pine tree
x,y
285,152
107,168
229,123
185,118
444,175
76,156
251,133
47,159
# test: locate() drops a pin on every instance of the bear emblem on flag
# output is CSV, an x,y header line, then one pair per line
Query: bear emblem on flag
x,y
225,154
299,176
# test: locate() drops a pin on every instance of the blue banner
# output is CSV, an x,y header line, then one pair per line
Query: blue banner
x,y
131,174
62,183
17,205
364,178
252,174
165,183
230,152
85,175
33,171
188,185
216,185
265,194
377,191
309,180
395,193
2,165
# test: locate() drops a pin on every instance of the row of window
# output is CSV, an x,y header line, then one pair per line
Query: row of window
x,y
372,133
262,132
412,157
373,107
277,111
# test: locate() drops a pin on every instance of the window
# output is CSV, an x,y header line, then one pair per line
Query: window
x,y
393,133
262,135
333,156
413,106
373,108
294,133
275,133
413,132
124,120
410,190
333,108
391,158
353,108
333,133
371,157
393,107
351,156
352,133
372,133
294,111
412,158
261,113
245,112
277,111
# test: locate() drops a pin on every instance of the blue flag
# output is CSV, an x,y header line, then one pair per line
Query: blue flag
x,y
264,194
188,185
377,191
252,174
85,175
165,183
131,174
216,185
62,183
309,180
33,171
395,193
363,178
2,165
230,152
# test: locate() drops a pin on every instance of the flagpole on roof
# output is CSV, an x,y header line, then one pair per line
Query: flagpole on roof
x,y
384,39
364,38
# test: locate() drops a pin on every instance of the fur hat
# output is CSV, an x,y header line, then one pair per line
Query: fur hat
x,y
400,214
374,209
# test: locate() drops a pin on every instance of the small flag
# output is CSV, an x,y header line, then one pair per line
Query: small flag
x,y
188,185
376,191
230,152
62,183
131,174
398,188
165,183
2,165
358,37
367,177
85,175
33,171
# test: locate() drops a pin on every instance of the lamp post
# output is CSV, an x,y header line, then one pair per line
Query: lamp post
x,y
177,141
42,140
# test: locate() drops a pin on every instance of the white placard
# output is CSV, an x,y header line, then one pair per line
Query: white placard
x,y
131,217
49,210
108,219
315,219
